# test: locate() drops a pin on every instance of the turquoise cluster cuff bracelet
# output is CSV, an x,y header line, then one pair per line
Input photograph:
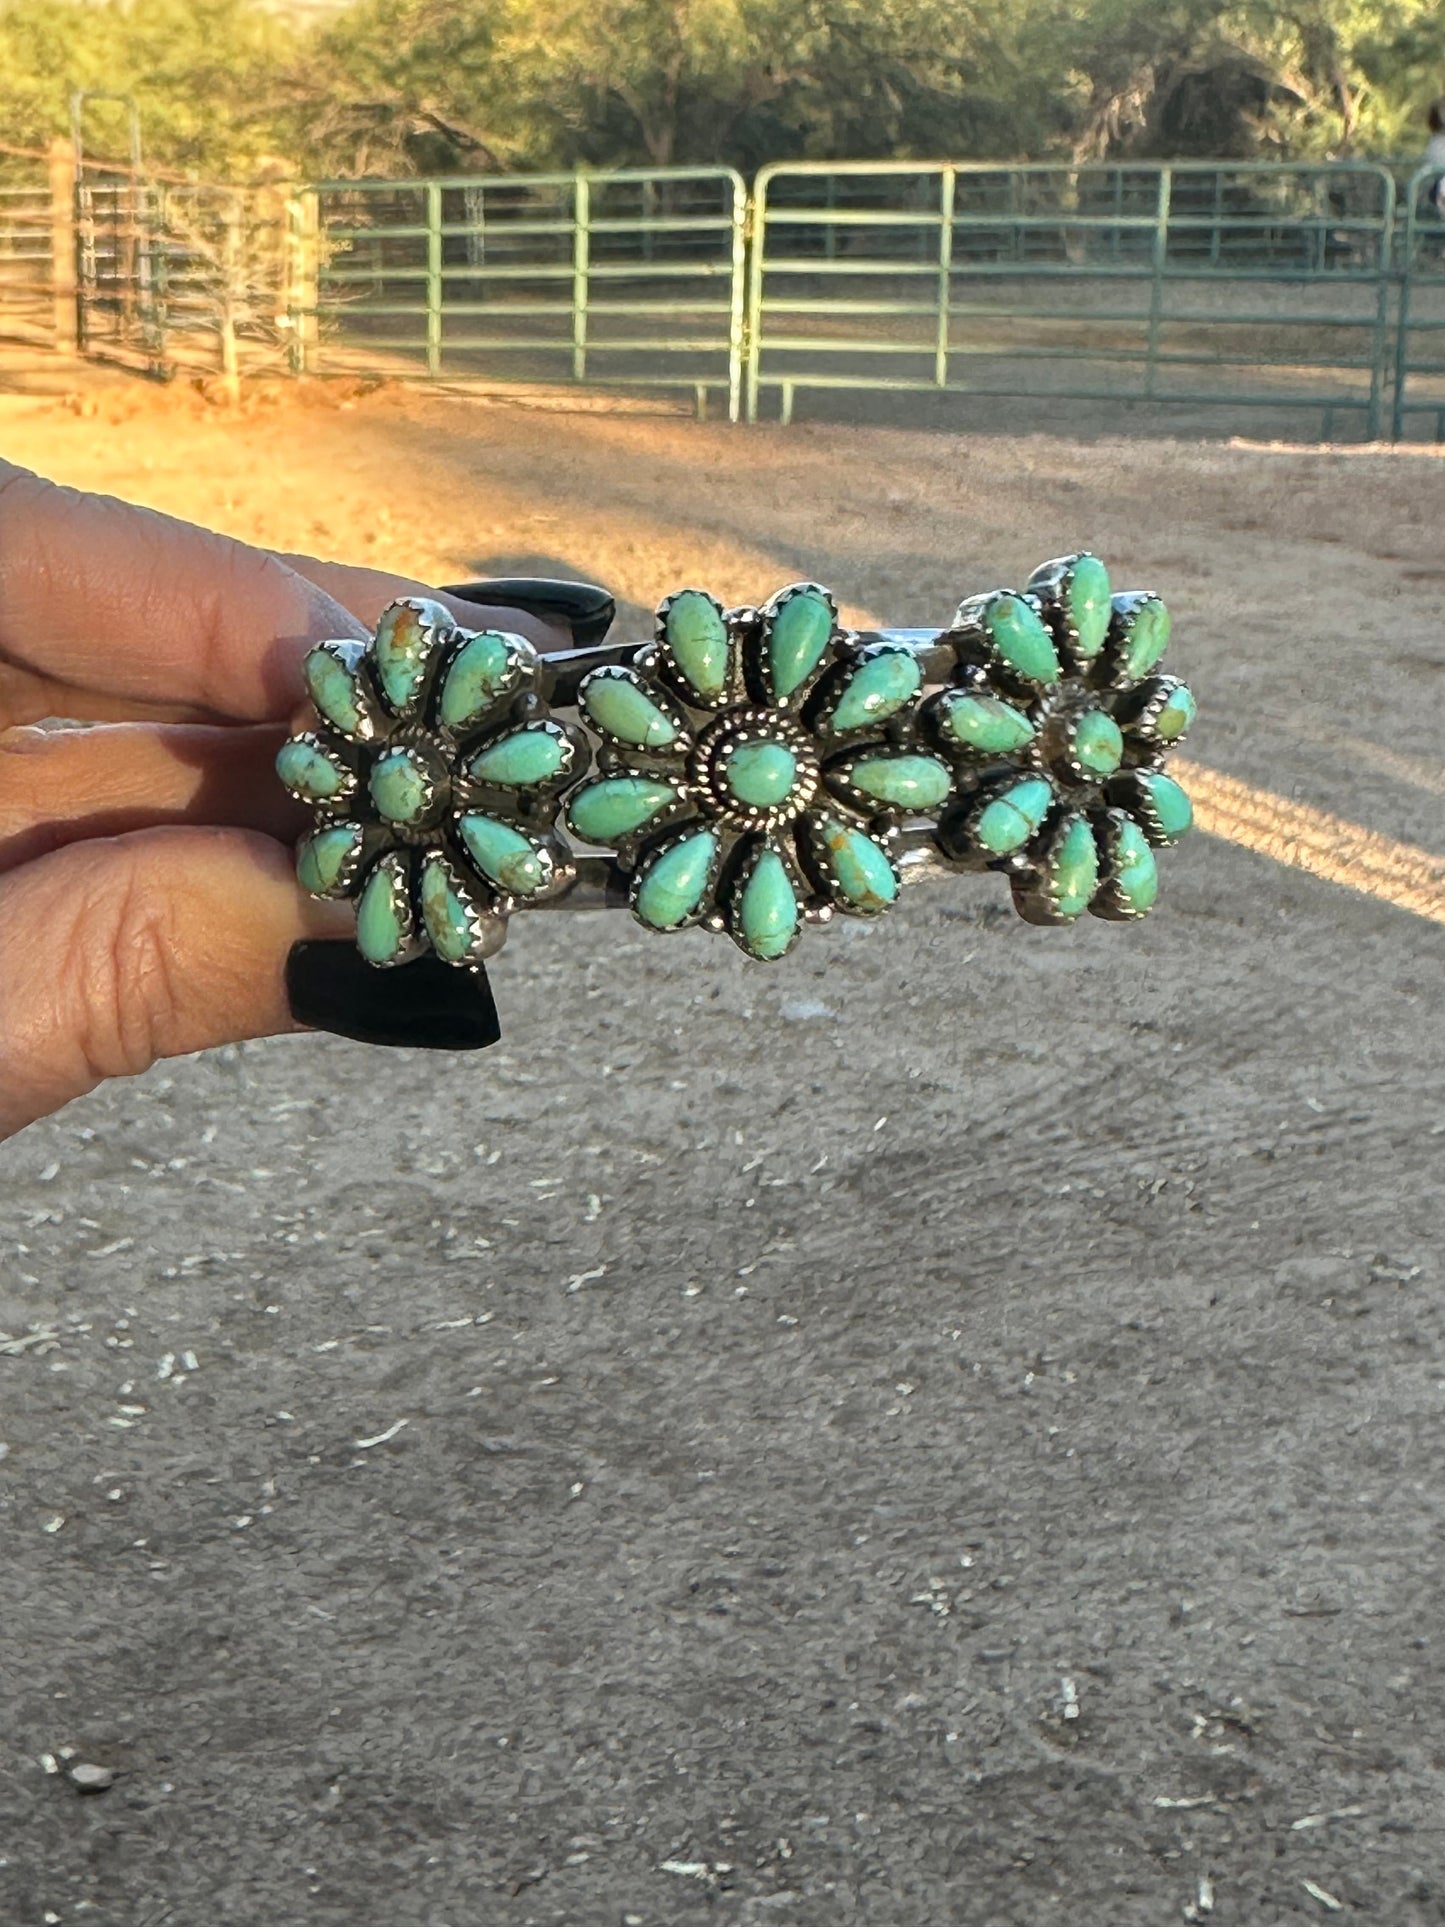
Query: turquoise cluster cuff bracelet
x,y
749,770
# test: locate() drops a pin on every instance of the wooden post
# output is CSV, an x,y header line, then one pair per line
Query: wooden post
x,y
63,287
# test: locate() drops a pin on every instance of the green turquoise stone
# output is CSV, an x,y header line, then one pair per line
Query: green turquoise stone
x,y
861,869
1146,637
444,913
915,783
797,637
986,725
1072,870
615,806
400,787
698,638
1169,803
404,640
675,883
504,855
879,688
1133,873
1098,743
383,915
322,859
762,775
1175,717
332,686
768,913
1017,632
620,708
528,756
1086,596
308,772
1013,816
482,670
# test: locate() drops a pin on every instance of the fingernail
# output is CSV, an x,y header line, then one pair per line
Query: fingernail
x,y
426,1004
586,609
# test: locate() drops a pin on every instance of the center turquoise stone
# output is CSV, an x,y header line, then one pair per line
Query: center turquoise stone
x,y
761,775
405,785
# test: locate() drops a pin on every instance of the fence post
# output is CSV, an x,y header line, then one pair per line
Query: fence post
x,y
737,297
303,278
1380,344
945,276
63,285
232,289
433,277
756,241
1408,265
581,254
1160,257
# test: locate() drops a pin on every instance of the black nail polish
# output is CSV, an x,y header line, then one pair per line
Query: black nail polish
x,y
585,608
426,1004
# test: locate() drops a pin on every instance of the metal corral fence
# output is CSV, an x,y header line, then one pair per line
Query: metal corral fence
x,y
1302,298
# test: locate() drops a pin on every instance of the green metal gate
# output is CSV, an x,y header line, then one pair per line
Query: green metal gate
x,y
1419,372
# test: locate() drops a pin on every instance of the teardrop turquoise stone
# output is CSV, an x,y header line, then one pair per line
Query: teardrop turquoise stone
x,y
798,636
1072,870
675,884
482,669
1133,874
321,859
400,787
621,709
864,876
1175,717
1012,817
332,686
308,772
768,913
504,855
986,724
444,913
383,915
1087,599
1146,637
1098,743
1020,638
1170,803
698,638
907,782
762,775
405,637
879,688
528,756
616,806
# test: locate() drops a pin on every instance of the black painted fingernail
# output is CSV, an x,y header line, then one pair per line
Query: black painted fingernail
x,y
426,1003
585,608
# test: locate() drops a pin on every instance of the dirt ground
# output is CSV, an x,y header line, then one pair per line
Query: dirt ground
x,y
946,1430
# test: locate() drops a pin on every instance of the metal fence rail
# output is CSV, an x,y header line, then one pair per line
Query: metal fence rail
x,y
27,278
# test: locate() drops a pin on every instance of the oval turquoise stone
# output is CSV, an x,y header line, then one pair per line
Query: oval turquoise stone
x,y
309,772
400,786
1146,637
444,913
622,709
482,670
332,685
1175,717
504,855
383,915
1098,743
907,782
761,775
768,913
1086,597
987,725
528,756
695,632
322,859
405,637
878,689
864,876
798,635
1133,872
1013,816
1072,870
1017,633
616,806
1169,804
675,883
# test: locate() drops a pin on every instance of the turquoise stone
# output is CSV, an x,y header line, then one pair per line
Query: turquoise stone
x,y
986,725
1145,637
1086,597
401,786
879,688
1133,874
797,637
673,886
527,756
915,783
1175,717
1072,870
761,775
331,683
621,708
1017,633
444,912
1013,816
482,670
768,912
322,859
309,772
862,872
615,806
405,637
1098,743
383,915
1168,803
504,855
698,638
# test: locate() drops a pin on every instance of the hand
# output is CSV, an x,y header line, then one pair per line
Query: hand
x,y
147,901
